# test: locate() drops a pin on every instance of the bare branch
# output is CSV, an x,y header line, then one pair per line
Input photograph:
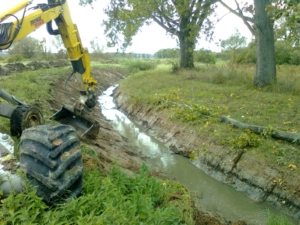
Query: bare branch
x,y
247,20
163,13
161,23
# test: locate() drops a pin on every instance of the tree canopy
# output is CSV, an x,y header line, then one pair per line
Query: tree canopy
x,y
183,19
235,41
286,13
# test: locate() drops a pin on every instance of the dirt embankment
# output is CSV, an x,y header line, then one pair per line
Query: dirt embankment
x,y
241,169
110,147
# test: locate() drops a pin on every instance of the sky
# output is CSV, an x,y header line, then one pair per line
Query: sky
x,y
149,39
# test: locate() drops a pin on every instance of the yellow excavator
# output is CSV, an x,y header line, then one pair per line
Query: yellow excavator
x,y
50,154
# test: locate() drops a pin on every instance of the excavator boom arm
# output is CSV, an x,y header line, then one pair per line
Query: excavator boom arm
x,y
45,14
13,28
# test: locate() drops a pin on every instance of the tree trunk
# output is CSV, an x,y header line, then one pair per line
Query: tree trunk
x,y
265,47
187,45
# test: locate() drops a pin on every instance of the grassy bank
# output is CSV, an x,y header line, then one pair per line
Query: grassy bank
x,y
113,198
196,99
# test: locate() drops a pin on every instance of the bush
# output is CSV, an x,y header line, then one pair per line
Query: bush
x,y
285,54
245,140
205,56
245,55
167,53
14,58
175,67
192,113
140,65
295,57
28,47
282,53
241,55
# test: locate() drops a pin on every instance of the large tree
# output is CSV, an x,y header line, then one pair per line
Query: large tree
x,y
181,18
261,26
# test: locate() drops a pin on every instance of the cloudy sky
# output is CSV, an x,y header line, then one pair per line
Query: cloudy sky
x,y
149,39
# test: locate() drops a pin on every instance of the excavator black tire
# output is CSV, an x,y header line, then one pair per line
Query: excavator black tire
x,y
24,117
51,159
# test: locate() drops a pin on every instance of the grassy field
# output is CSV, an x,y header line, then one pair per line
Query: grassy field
x,y
113,198
197,98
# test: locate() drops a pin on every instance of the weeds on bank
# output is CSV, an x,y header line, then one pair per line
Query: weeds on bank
x,y
245,140
196,98
112,199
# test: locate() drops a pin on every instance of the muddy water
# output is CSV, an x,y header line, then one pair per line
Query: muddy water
x,y
210,195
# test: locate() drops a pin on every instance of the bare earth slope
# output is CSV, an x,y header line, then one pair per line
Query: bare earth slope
x,y
111,148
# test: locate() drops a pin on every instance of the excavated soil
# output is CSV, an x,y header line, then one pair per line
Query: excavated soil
x,y
111,148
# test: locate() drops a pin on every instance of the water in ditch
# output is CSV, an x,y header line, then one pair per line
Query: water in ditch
x,y
211,195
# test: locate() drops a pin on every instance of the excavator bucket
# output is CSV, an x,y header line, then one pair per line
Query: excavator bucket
x,y
85,126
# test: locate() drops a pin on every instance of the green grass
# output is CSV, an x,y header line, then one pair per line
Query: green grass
x,y
197,98
32,87
112,199
278,220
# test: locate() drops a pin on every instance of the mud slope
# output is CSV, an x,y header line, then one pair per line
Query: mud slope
x,y
242,170
111,148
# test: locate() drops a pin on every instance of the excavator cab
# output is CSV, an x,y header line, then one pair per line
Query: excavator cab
x,y
13,28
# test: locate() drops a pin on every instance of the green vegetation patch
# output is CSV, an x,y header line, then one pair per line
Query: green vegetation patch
x,y
112,199
278,220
